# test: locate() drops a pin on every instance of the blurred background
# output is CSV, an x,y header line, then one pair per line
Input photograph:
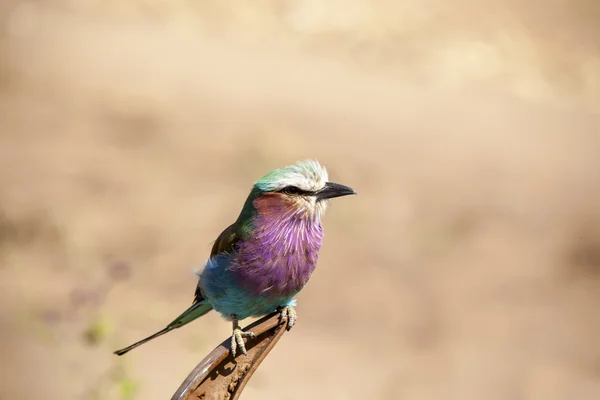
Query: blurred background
x,y
467,268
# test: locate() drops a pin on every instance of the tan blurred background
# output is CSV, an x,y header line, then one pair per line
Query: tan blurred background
x,y
467,268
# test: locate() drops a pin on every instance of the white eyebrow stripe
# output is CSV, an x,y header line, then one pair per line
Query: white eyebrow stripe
x,y
306,175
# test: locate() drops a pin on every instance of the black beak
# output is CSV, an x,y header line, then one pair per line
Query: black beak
x,y
332,190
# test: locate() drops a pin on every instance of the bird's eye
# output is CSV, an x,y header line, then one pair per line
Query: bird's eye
x,y
290,190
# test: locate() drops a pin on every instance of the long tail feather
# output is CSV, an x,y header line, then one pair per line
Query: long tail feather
x,y
195,311
141,342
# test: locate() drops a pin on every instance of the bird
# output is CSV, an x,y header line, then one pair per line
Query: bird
x,y
258,264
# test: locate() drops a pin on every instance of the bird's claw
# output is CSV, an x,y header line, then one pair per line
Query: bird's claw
x,y
290,313
237,340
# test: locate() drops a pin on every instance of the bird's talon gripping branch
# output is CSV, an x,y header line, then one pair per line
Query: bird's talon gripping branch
x,y
290,313
237,338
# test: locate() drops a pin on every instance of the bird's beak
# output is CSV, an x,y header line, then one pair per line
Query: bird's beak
x,y
332,190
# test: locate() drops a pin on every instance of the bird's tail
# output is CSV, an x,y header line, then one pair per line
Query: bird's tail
x,y
195,311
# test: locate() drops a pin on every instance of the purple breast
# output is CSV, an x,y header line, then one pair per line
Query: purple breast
x,y
281,256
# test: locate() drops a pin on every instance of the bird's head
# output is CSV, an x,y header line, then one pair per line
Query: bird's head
x,y
302,187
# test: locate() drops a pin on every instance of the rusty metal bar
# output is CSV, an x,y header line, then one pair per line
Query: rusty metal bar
x,y
219,376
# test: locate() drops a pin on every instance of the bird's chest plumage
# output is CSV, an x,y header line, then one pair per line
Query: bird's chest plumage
x,y
280,258
273,259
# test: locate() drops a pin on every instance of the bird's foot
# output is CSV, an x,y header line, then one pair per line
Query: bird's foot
x,y
290,313
237,339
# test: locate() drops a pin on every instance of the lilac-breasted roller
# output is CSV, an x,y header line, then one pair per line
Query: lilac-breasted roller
x,y
261,261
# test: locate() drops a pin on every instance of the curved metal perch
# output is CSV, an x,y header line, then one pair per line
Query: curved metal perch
x,y
219,376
